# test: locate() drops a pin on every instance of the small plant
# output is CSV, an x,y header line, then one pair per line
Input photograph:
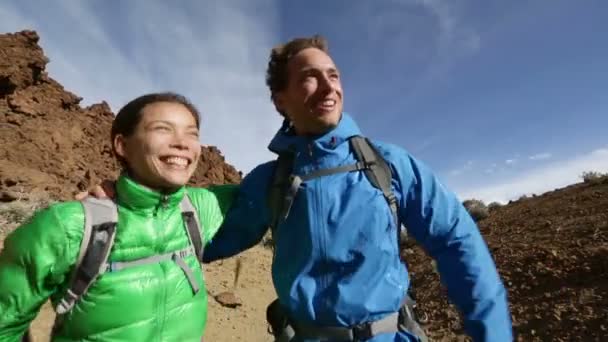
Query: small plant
x,y
594,177
493,206
477,209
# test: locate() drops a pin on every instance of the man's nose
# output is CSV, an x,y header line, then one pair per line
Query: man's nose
x,y
325,84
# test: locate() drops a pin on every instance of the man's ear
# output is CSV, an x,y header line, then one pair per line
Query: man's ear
x,y
120,146
279,102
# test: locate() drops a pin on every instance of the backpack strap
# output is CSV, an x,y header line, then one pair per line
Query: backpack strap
x,y
193,226
193,231
101,217
283,189
285,185
100,222
378,172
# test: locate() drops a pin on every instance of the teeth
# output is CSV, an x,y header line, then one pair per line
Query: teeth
x,y
328,102
176,161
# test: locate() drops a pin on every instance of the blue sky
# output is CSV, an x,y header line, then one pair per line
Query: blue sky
x,y
500,98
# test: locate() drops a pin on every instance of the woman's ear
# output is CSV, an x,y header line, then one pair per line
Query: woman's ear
x,y
120,146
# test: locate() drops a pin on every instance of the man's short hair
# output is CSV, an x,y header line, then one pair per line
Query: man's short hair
x,y
276,74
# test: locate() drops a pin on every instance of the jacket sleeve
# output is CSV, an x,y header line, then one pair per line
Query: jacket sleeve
x,y
212,204
436,218
246,221
33,264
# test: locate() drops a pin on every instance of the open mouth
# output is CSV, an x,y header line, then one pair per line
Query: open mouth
x,y
176,161
326,104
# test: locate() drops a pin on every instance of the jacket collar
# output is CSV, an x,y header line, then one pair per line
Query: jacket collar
x,y
286,139
137,196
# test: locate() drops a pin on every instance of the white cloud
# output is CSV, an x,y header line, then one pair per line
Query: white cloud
x,y
468,166
540,156
510,161
453,34
541,179
426,143
428,36
455,40
215,55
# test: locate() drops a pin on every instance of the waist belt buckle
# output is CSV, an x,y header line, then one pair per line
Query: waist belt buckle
x,y
362,332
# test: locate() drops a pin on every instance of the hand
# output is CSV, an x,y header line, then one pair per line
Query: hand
x,y
104,190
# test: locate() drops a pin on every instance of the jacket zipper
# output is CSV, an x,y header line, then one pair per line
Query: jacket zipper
x,y
163,203
320,226
320,220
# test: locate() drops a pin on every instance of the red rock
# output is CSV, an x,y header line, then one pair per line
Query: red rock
x,y
50,141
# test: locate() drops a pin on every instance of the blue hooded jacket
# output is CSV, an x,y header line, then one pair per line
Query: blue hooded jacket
x,y
336,257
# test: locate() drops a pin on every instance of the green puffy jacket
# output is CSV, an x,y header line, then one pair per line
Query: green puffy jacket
x,y
152,302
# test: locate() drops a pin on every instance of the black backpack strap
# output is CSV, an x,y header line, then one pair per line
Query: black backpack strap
x,y
285,185
101,217
358,166
283,189
378,172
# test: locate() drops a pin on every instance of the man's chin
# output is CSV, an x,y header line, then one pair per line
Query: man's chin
x,y
330,122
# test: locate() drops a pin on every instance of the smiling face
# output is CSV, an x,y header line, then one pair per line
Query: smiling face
x,y
312,99
163,150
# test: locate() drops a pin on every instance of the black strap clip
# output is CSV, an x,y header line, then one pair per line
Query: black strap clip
x,y
362,332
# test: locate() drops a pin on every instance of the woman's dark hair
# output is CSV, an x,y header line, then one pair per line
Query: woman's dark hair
x,y
129,116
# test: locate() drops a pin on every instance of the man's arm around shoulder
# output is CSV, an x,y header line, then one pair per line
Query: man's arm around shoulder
x,y
247,220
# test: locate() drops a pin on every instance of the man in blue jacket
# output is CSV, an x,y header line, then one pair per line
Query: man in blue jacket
x,y
336,268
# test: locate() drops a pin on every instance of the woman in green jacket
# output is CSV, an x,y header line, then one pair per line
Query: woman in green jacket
x,y
156,298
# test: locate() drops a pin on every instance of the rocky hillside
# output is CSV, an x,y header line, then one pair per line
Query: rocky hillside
x,y
552,253
48,142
